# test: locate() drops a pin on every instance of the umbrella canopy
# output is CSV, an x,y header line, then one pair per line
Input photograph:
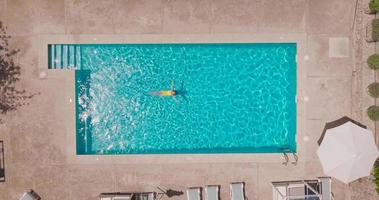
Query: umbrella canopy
x,y
347,152
337,123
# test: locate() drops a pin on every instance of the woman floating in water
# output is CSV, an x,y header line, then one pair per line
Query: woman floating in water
x,y
166,93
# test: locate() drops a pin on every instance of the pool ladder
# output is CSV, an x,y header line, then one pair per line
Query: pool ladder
x,y
64,56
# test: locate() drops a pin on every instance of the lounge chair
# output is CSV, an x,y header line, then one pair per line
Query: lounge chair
x,y
237,191
326,188
128,196
146,196
194,193
212,192
116,195
31,195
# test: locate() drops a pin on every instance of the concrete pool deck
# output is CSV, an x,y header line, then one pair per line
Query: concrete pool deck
x,y
37,151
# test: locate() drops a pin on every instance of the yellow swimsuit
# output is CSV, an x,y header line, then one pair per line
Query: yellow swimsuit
x,y
166,93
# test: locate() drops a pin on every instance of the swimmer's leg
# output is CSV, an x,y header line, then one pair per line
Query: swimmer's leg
x,y
156,93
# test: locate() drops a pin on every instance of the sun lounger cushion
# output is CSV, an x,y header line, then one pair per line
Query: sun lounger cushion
x,y
30,196
212,192
237,191
193,194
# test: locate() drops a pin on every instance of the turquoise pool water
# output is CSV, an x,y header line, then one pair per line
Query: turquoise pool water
x,y
233,98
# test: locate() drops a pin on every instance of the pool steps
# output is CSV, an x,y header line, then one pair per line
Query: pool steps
x,y
64,56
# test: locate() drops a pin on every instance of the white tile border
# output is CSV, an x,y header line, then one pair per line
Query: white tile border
x,y
69,90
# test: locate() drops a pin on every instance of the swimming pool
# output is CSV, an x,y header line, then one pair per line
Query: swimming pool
x,y
233,98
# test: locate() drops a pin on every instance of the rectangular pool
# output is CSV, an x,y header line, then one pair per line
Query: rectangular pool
x,y
231,98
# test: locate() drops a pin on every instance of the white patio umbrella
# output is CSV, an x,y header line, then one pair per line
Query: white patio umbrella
x,y
347,152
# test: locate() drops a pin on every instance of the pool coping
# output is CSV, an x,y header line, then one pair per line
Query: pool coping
x,y
69,90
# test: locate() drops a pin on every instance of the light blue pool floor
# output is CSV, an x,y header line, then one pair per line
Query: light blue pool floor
x,y
233,98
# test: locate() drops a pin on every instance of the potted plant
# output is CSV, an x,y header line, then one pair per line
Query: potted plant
x,y
376,175
373,89
373,6
373,61
375,29
373,113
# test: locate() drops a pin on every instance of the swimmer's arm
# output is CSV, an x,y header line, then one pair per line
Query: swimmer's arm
x,y
174,97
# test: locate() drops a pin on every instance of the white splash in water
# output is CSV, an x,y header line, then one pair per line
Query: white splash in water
x,y
82,100
83,116
95,120
110,147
